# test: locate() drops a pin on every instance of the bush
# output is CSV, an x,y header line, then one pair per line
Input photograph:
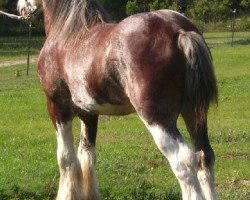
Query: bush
x,y
241,24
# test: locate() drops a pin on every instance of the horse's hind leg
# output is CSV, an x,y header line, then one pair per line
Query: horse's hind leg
x,y
197,127
182,159
86,156
70,169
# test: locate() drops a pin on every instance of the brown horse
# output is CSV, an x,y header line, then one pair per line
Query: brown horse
x,y
156,64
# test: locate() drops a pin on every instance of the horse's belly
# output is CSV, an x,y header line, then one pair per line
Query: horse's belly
x,y
109,109
89,105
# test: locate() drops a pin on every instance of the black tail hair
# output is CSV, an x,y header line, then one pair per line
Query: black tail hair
x,y
200,84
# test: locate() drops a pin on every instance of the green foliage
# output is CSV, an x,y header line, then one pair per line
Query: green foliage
x,y
180,5
245,4
204,10
221,10
8,4
211,10
135,6
3,3
158,4
132,7
116,9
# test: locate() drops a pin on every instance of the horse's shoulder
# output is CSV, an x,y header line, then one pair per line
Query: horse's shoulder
x,y
48,64
48,51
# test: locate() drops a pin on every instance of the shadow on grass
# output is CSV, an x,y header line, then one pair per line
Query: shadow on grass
x,y
241,42
143,192
217,37
17,193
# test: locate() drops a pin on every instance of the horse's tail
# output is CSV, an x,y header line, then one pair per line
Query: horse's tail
x,y
200,81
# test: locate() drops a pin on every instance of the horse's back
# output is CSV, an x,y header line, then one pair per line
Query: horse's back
x,y
178,20
169,20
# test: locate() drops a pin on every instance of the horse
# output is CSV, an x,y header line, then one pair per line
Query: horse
x,y
156,64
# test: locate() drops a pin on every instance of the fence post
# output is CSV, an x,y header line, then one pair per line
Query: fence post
x,y
28,56
233,26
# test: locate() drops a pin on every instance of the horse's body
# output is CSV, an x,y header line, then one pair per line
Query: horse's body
x,y
156,64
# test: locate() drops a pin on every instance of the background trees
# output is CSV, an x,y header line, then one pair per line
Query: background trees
x,y
118,9
3,3
8,4
115,8
204,11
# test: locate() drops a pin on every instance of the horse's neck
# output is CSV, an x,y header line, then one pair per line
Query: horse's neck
x,y
47,16
47,22
83,18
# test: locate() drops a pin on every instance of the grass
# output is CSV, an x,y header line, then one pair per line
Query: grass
x,y
129,166
225,38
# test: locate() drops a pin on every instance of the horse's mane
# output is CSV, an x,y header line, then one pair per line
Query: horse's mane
x,y
74,17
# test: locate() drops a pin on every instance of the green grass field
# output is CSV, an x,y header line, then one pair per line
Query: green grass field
x,y
129,165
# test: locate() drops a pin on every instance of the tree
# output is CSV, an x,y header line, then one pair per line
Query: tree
x,y
158,4
135,6
132,7
116,9
180,5
211,10
202,10
222,10
3,3
239,4
245,4
144,5
8,5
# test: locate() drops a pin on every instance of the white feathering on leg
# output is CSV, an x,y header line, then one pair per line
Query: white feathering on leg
x,y
206,179
182,160
70,170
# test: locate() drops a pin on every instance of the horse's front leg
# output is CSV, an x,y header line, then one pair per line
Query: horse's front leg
x,y
86,156
70,170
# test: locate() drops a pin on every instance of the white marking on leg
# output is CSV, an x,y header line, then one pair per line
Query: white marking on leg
x,y
86,156
182,160
70,170
206,179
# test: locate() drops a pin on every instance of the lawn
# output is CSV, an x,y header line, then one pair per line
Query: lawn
x,y
129,165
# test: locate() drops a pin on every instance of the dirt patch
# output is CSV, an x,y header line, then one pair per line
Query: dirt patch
x,y
17,62
245,182
233,155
